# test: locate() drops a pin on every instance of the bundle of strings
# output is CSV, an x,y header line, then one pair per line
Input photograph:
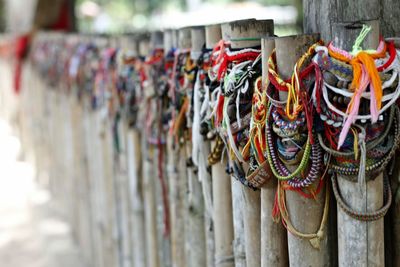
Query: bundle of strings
x,y
180,102
298,96
365,74
126,81
290,130
290,119
155,105
200,97
236,71
156,97
237,104
105,79
364,139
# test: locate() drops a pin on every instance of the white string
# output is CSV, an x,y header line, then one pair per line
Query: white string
x,y
359,117
392,98
196,136
230,135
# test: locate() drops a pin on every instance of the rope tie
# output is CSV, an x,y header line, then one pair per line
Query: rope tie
x,y
363,160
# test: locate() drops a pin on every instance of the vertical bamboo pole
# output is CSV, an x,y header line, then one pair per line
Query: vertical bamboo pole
x,y
197,239
305,214
203,167
274,251
221,190
149,185
92,153
109,186
360,243
136,195
82,179
176,188
135,181
157,42
184,44
123,197
118,173
246,202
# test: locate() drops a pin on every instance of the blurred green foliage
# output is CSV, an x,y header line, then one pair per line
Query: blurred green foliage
x,y
126,13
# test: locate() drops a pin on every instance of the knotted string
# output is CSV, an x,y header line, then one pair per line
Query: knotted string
x,y
364,73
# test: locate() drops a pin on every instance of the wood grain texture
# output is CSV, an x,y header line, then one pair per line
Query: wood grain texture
x,y
135,174
223,222
249,28
320,15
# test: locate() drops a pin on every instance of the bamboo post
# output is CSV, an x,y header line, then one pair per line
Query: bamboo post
x,y
149,185
203,167
108,186
124,198
305,214
184,44
135,180
100,169
197,239
92,152
88,149
157,42
136,195
274,251
176,188
360,243
82,179
246,202
121,180
221,190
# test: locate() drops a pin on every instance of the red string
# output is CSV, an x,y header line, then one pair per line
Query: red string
x,y
21,50
234,58
163,188
392,55
220,107
275,209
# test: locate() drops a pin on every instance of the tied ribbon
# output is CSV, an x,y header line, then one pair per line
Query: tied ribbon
x,y
364,73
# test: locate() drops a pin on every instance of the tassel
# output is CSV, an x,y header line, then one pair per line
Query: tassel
x,y
355,144
353,107
275,210
373,105
363,159
376,83
316,241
